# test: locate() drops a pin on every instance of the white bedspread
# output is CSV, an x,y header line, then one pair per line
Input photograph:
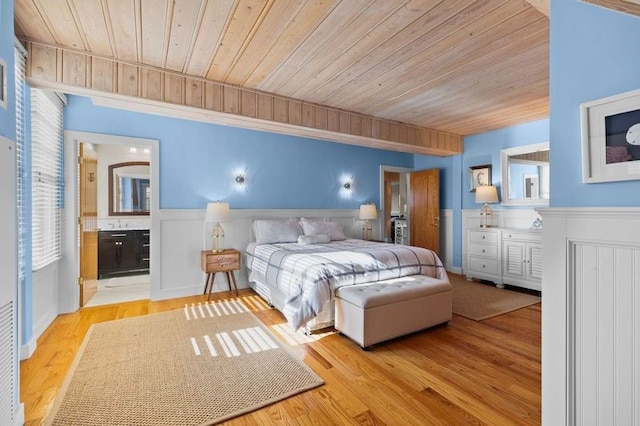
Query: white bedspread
x,y
309,274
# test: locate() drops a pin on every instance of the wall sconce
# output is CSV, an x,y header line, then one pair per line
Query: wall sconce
x,y
239,178
346,188
217,212
367,212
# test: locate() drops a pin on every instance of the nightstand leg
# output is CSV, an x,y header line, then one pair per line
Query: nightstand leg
x,y
212,278
233,277
206,283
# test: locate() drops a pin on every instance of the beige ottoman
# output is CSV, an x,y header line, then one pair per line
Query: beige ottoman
x,y
374,312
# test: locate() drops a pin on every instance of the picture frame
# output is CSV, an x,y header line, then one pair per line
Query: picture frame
x,y
479,176
611,138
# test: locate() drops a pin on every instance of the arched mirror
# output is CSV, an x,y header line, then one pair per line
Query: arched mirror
x,y
129,189
525,175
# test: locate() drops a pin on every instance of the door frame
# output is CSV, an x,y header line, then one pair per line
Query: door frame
x,y
396,169
68,291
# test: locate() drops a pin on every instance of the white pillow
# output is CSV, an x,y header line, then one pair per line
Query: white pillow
x,y
333,229
275,231
313,239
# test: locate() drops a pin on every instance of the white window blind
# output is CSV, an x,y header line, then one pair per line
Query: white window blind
x,y
46,177
20,127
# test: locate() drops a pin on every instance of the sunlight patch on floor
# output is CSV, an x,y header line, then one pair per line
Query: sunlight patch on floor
x,y
294,338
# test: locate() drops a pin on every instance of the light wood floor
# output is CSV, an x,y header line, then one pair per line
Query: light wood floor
x,y
466,372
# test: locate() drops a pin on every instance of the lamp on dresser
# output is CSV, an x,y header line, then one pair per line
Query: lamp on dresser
x,y
217,212
486,194
367,213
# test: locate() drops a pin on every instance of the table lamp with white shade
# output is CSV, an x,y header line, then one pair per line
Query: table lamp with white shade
x,y
217,212
367,213
486,194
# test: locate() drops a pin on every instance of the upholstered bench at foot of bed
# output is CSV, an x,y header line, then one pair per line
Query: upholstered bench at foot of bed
x,y
375,312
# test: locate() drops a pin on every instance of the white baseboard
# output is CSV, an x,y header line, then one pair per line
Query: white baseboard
x,y
455,270
45,321
28,349
18,415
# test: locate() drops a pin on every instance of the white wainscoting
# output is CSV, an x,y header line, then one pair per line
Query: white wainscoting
x,y
446,240
591,316
44,301
184,234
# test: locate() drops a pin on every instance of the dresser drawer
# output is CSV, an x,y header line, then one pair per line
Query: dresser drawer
x,y
483,237
484,250
486,266
221,262
521,236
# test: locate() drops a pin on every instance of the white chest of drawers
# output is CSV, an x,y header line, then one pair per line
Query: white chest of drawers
x,y
484,254
505,256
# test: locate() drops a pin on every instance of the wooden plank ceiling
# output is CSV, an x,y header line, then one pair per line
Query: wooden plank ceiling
x,y
455,66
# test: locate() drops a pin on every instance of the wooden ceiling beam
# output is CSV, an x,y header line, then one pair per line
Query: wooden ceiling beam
x,y
165,92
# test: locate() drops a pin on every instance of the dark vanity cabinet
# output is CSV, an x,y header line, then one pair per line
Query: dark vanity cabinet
x,y
123,252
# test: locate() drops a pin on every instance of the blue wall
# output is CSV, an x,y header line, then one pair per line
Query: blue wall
x,y
8,115
484,148
199,161
595,53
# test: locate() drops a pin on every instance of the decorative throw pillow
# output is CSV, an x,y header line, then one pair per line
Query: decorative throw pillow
x,y
276,231
313,239
333,229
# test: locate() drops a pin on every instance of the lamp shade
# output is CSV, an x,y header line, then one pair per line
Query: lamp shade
x,y
486,194
217,212
368,211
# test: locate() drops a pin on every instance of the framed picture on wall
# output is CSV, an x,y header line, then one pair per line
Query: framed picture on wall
x,y
479,176
611,138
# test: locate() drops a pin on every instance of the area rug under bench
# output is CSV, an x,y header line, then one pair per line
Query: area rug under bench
x,y
199,365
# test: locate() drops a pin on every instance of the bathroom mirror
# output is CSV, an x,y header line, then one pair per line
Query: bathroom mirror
x,y
525,175
129,190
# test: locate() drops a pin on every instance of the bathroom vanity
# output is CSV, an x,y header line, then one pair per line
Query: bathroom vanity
x,y
123,252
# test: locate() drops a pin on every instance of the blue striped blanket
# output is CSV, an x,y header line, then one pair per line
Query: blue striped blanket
x,y
309,275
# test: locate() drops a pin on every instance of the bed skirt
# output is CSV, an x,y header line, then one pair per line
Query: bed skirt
x,y
275,298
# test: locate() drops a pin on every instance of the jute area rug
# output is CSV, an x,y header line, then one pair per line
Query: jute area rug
x,y
199,365
479,301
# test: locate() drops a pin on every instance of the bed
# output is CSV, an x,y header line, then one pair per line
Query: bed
x,y
297,266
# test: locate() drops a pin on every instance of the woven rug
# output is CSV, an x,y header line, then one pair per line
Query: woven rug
x,y
479,301
199,365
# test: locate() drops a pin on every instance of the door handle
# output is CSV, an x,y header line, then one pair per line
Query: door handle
x,y
436,222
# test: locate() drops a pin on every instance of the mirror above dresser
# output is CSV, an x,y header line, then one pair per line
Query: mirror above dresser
x,y
525,175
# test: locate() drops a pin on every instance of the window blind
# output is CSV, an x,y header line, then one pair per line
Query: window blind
x,y
46,177
21,173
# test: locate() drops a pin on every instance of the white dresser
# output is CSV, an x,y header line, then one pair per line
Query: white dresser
x,y
505,256
484,254
522,258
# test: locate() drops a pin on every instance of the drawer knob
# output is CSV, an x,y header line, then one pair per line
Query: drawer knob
x,y
484,266
484,237
483,250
